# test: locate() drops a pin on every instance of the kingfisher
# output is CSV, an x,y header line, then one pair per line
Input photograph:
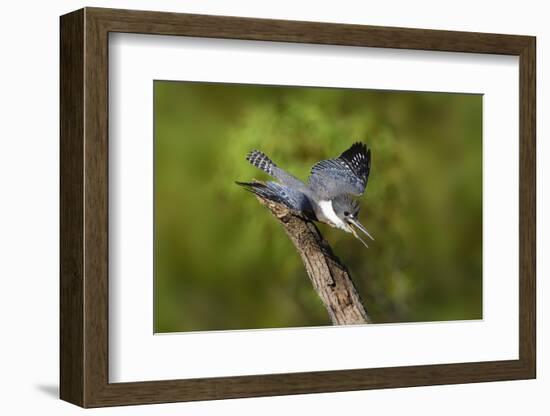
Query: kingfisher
x,y
330,194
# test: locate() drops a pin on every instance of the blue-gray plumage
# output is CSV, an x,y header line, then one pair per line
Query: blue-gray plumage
x,y
329,194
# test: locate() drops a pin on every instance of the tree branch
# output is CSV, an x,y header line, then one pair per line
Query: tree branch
x,y
330,278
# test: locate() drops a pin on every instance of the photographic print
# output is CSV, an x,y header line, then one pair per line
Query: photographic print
x,y
205,249
295,206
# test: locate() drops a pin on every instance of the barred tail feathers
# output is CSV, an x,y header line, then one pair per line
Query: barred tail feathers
x,y
261,161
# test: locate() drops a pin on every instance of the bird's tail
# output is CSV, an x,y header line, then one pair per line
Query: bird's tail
x,y
261,161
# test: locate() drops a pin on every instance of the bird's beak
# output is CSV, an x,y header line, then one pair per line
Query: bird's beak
x,y
357,224
352,230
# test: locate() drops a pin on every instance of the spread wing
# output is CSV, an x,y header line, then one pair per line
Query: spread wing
x,y
276,192
347,174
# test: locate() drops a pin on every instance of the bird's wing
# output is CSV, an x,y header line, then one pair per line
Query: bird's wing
x,y
276,192
347,174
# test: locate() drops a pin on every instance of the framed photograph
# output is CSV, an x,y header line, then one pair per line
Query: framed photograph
x,y
255,207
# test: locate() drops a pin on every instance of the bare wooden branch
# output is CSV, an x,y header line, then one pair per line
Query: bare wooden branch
x,y
329,276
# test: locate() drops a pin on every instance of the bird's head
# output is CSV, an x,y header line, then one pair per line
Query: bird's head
x,y
347,209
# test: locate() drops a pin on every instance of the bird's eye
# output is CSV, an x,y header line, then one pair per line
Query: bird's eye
x,y
346,213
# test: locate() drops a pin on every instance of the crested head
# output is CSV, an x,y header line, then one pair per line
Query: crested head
x,y
346,209
345,205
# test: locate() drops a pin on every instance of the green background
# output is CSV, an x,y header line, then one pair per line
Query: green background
x,y
223,262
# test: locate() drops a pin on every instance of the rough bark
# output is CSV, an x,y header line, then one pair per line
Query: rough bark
x,y
330,278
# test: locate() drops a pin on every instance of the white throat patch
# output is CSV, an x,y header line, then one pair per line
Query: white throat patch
x,y
328,212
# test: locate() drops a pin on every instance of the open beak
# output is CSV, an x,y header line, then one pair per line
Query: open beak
x,y
357,224
352,230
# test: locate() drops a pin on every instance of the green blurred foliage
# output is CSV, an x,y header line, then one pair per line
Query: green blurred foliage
x,y
223,262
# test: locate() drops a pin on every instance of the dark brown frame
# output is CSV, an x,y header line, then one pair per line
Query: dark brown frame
x,y
84,207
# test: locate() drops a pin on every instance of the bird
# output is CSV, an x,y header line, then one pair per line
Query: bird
x,y
330,194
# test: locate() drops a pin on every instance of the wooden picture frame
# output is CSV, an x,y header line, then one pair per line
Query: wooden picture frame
x,y
84,207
